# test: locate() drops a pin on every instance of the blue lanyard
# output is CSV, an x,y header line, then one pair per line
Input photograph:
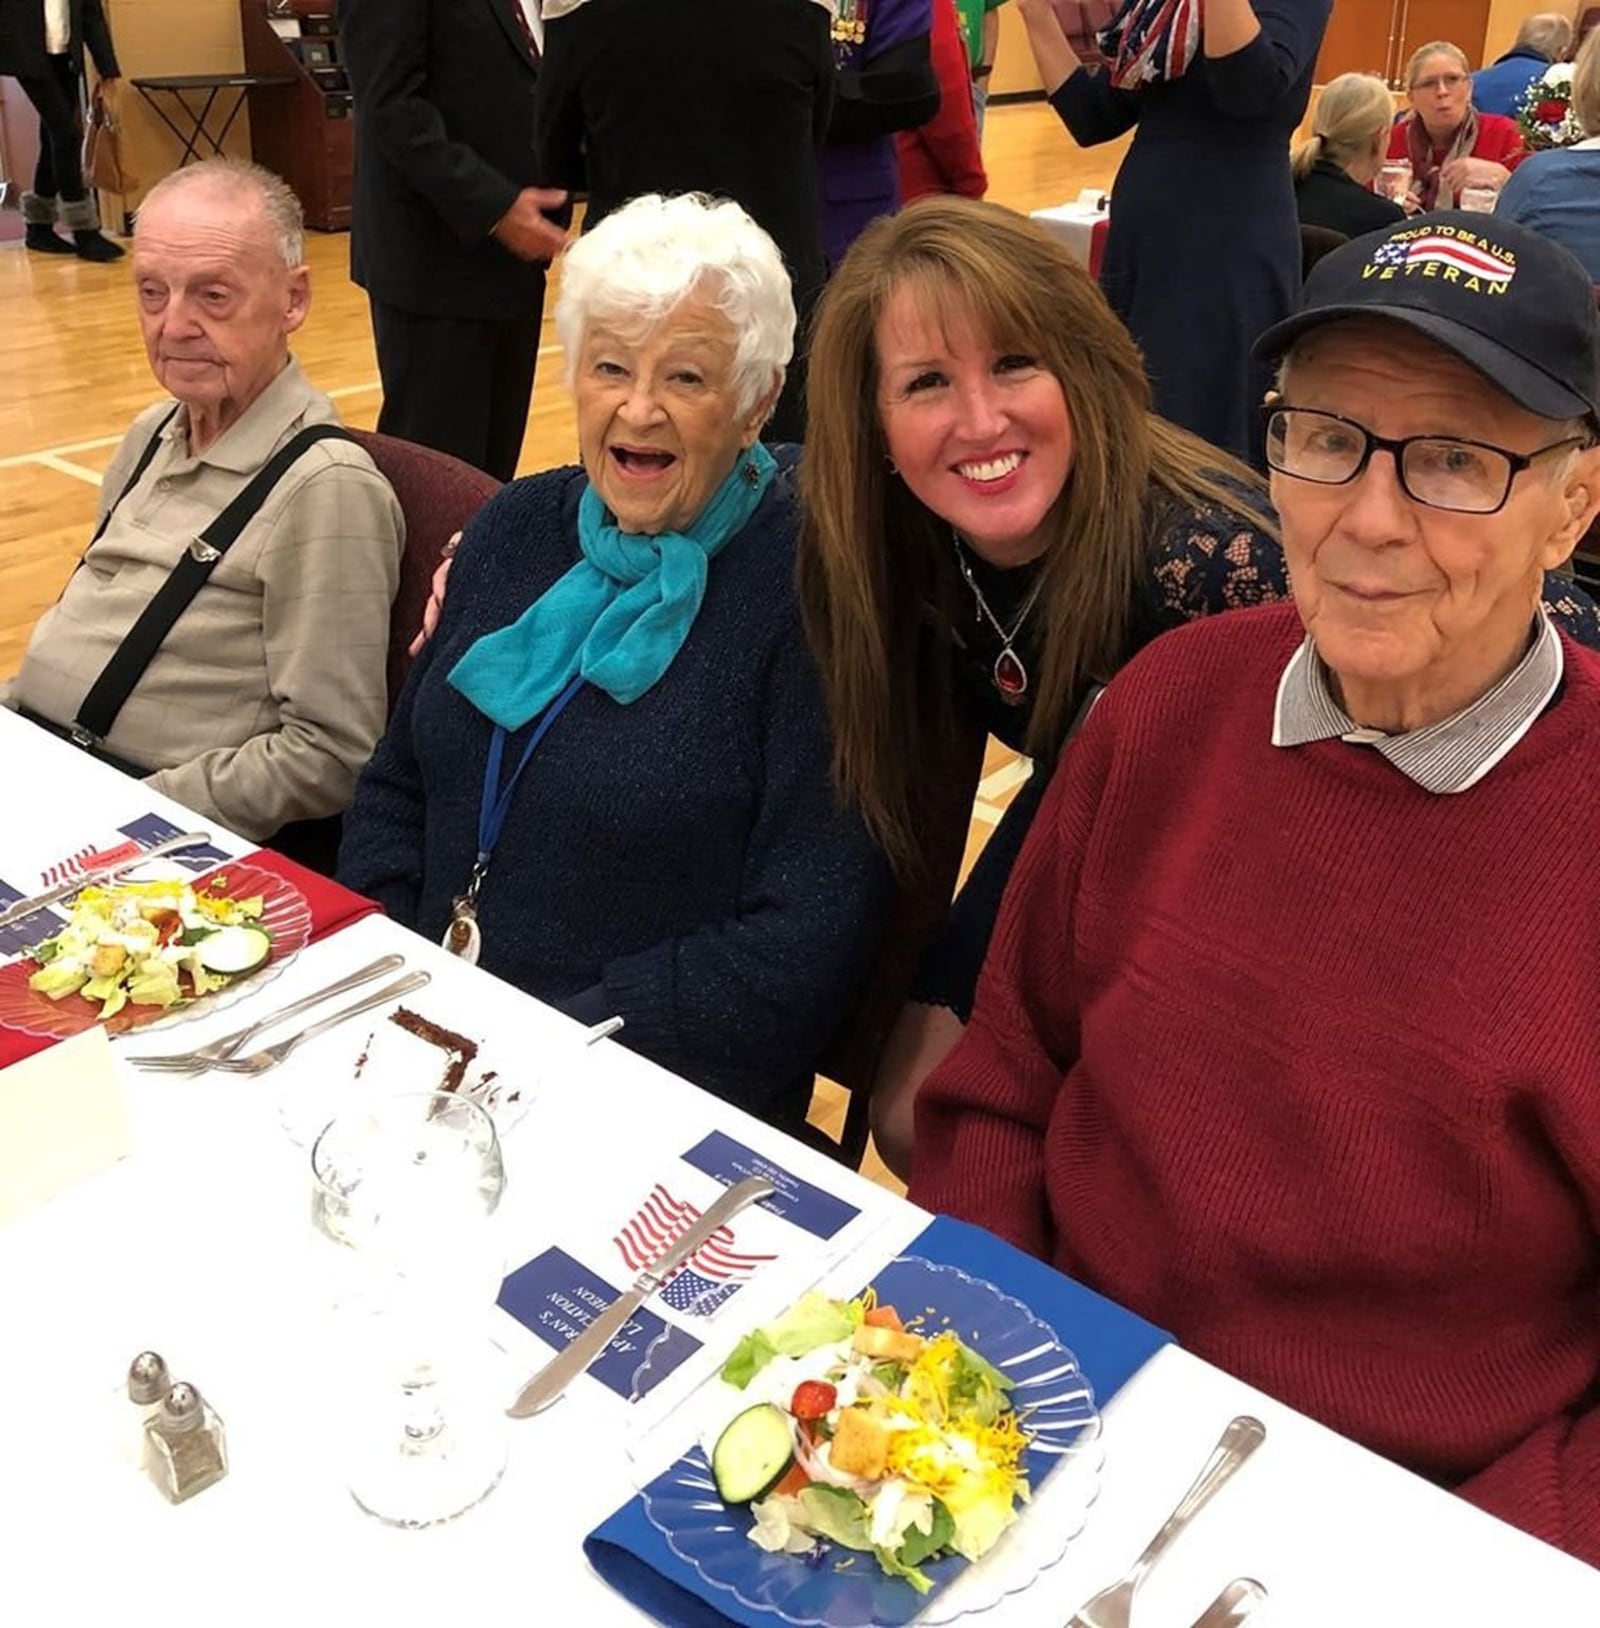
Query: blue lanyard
x,y
496,802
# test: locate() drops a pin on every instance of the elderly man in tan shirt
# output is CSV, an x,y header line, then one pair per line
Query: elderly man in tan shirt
x,y
266,697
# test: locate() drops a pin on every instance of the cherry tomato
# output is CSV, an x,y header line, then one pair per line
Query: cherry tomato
x,y
813,1399
168,925
795,1480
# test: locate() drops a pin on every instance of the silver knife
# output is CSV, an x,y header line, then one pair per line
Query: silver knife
x,y
566,1365
40,901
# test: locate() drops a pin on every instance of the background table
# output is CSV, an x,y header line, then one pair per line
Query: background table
x,y
195,128
1082,230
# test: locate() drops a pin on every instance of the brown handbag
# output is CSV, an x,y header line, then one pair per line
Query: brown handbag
x,y
103,168
1081,21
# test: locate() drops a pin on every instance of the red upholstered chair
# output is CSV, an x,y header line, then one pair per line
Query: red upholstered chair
x,y
438,496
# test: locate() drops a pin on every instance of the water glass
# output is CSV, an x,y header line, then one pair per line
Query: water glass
x,y
1394,180
404,1189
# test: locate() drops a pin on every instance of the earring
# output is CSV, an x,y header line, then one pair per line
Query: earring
x,y
890,464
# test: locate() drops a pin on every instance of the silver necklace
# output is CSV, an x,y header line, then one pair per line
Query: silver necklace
x,y
1009,674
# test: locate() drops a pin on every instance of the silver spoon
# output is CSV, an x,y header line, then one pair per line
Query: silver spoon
x,y
1232,1605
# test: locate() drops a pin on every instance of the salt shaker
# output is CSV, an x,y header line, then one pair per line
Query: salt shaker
x,y
147,1386
184,1447
148,1382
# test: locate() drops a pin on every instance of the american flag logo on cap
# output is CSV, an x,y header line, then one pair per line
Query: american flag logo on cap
x,y
713,1273
1454,257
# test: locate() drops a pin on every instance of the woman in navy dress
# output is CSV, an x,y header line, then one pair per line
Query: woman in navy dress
x,y
1203,253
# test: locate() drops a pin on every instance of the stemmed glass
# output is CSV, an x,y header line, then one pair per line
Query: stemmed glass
x,y
407,1186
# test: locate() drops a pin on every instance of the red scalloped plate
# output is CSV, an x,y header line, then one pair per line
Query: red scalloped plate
x,y
285,916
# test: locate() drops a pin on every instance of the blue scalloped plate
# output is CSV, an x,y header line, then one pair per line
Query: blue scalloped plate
x,y
848,1591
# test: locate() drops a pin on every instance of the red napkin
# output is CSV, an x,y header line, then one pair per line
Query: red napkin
x,y
332,906
14,1045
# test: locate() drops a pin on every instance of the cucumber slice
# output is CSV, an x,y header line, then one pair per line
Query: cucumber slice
x,y
233,950
752,1454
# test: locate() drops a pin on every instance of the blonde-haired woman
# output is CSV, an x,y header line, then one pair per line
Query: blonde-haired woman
x,y
1451,146
1557,193
1335,166
994,522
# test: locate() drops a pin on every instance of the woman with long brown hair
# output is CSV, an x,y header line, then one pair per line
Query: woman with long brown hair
x,y
994,522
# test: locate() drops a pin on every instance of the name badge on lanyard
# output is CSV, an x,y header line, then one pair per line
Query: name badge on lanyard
x,y
463,937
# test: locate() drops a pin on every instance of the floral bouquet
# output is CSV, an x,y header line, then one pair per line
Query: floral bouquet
x,y
1545,116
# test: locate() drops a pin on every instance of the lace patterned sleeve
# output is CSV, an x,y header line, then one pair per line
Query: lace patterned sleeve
x,y
1572,610
1211,560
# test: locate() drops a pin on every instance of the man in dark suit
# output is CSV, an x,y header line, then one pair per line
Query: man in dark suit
x,y
449,237
41,46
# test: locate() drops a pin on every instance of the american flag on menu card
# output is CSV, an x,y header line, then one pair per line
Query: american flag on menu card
x,y
710,1275
86,859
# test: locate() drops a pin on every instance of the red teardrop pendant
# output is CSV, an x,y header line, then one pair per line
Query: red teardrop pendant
x,y
1010,676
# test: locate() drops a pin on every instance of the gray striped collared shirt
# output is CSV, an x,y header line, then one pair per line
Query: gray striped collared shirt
x,y
1449,756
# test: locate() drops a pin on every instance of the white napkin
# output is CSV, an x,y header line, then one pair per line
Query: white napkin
x,y
63,1118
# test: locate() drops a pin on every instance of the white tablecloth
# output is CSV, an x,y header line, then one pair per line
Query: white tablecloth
x,y
198,1246
1074,226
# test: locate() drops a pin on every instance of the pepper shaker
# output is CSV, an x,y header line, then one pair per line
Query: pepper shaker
x,y
185,1450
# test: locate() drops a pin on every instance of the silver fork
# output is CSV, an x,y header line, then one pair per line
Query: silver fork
x,y
258,1062
1112,1607
203,1057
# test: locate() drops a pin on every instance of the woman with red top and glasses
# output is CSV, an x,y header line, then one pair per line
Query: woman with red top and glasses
x,y
1450,145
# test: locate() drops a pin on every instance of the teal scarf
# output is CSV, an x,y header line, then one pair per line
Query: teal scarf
x,y
619,616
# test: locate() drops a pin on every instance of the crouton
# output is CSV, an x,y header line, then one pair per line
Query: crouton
x,y
887,1344
107,960
860,1445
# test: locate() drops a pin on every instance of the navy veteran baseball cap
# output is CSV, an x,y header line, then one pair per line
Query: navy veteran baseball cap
x,y
1511,304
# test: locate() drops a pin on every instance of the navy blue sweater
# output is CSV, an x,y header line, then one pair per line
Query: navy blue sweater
x,y
682,861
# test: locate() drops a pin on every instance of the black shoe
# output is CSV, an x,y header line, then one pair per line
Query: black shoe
x,y
94,246
46,240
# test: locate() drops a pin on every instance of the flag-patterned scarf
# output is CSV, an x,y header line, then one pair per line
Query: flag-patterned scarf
x,y
1149,40
1427,167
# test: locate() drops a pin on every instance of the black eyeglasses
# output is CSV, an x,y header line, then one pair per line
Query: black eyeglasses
x,y
1464,477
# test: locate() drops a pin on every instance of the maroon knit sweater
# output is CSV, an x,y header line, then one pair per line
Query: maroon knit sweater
x,y
1303,1063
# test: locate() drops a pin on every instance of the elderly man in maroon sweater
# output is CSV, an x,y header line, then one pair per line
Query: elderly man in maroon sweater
x,y
1287,1035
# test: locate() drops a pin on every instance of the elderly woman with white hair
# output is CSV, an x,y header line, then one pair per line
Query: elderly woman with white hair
x,y
607,776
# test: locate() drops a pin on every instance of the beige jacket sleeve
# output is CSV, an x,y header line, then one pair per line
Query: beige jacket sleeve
x,y
328,574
